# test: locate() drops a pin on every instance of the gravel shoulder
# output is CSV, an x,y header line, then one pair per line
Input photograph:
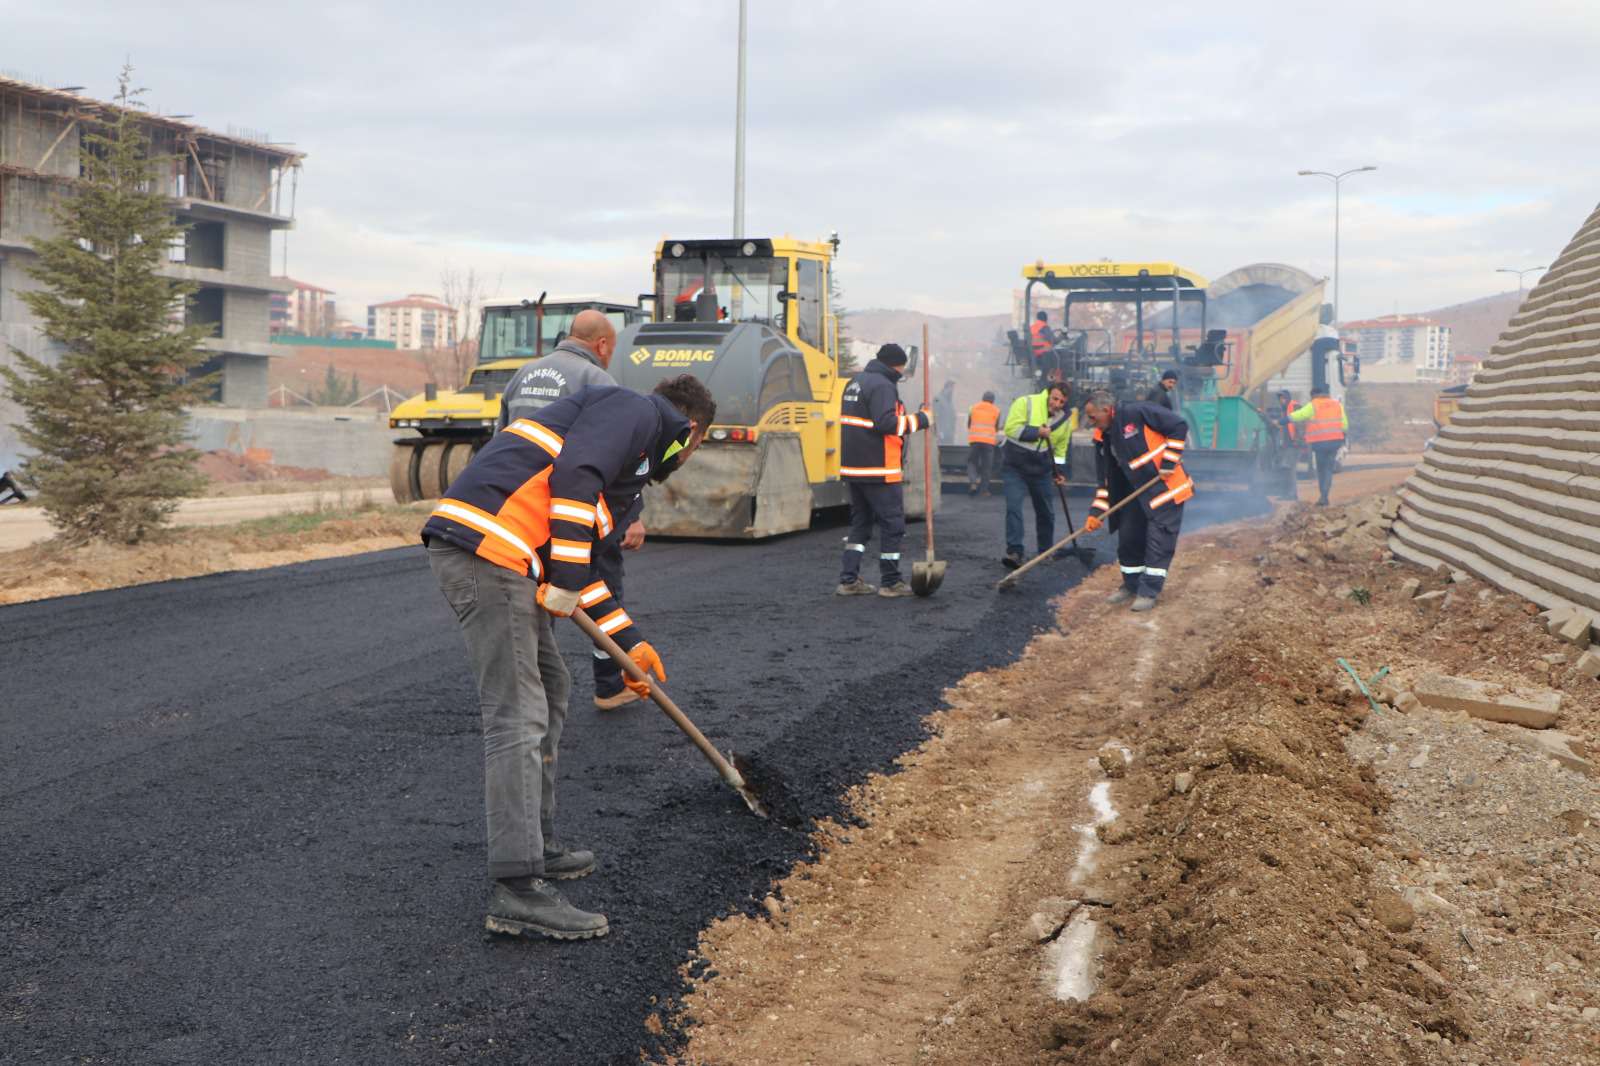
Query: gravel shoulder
x,y
1293,876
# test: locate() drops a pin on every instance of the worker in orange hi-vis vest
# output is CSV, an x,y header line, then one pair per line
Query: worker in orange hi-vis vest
x,y
1325,425
983,437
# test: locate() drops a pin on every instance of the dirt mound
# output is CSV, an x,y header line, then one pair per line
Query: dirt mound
x,y
1252,926
251,465
1295,876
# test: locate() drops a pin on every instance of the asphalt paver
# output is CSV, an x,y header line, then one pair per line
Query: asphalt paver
x,y
241,815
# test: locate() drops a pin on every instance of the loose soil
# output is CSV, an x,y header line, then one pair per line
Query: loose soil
x,y
50,569
1326,883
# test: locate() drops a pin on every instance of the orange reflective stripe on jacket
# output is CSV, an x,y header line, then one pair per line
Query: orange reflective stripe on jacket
x,y
1178,486
1327,420
1040,344
513,536
983,423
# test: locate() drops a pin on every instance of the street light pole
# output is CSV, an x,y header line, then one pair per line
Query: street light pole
x,y
1338,180
738,133
1518,273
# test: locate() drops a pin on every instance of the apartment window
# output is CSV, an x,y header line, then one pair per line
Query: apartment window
x,y
205,309
203,245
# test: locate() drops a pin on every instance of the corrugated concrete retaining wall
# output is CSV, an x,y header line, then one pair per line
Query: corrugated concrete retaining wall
x,y
1510,490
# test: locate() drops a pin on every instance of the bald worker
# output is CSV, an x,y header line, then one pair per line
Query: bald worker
x,y
582,359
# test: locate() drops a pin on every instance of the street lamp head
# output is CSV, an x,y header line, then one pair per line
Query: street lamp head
x,y
1359,169
1307,174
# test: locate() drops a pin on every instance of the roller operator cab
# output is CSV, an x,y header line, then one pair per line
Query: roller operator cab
x,y
445,428
749,318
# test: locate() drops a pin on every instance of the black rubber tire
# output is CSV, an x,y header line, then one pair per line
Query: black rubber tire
x,y
403,473
430,469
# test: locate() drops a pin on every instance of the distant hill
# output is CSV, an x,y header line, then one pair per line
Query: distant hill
x,y
962,334
1477,324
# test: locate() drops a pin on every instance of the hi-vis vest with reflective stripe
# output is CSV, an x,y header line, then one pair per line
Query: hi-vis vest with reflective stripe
x,y
1141,467
872,423
513,535
1041,344
983,423
1327,420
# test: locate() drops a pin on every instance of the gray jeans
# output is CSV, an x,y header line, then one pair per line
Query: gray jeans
x,y
522,697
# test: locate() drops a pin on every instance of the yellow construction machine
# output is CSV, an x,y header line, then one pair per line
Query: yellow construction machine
x,y
1228,340
750,318
450,426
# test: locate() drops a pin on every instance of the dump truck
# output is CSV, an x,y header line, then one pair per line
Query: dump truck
x,y
1227,340
445,429
750,317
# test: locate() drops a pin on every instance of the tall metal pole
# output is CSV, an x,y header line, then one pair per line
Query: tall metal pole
x,y
738,133
1336,188
1520,273
1337,180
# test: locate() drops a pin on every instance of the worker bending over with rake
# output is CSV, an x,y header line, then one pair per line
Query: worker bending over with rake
x,y
532,504
583,359
1135,444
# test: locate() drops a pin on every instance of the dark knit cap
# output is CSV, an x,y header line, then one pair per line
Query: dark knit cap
x,y
892,355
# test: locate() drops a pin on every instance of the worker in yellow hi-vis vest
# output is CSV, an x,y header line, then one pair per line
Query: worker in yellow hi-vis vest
x,y
1326,425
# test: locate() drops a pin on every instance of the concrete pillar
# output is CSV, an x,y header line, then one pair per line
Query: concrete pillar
x,y
244,380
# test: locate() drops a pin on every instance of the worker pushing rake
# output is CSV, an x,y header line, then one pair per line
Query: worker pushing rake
x,y
1139,460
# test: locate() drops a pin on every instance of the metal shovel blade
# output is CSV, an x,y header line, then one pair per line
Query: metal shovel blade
x,y
926,577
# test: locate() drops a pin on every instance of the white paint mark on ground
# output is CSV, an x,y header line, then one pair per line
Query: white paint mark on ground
x,y
1069,961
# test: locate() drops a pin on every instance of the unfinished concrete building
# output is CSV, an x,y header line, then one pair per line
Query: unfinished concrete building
x,y
1510,489
232,192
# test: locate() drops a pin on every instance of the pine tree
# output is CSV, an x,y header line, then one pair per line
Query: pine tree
x,y
106,424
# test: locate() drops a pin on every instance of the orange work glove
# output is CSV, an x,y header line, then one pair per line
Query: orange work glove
x,y
1093,522
646,659
559,602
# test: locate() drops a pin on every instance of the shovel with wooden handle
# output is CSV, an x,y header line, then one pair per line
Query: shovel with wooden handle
x,y
929,575
1010,579
1085,555
723,764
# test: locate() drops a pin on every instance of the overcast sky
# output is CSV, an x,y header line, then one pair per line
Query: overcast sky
x,y
550,145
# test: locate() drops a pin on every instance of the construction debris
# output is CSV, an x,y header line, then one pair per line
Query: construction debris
x,y
1491,702
1569,751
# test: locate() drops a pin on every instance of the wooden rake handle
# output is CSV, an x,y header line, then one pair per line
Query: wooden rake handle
x,y
670,709
1011,579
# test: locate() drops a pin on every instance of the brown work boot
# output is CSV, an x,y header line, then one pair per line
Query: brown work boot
x,y
1122,595
1144,603
896,590
855,588
621,699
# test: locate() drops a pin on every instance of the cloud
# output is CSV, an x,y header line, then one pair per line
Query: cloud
x,y
949,143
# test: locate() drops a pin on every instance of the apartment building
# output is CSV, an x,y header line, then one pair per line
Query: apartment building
x,y
415,321
1400,348
306,310
232,192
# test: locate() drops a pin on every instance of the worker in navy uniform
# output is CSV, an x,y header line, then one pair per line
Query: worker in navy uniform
x,y
1165,391
874,425
581,359
1136,443
532,504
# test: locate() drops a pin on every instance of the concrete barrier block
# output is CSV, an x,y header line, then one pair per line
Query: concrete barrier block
x,y
1493,702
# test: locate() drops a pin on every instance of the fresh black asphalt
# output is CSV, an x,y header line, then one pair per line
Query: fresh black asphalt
x,y
241,819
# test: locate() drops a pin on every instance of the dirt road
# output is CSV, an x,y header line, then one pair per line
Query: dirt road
x,y
22,526
242,818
